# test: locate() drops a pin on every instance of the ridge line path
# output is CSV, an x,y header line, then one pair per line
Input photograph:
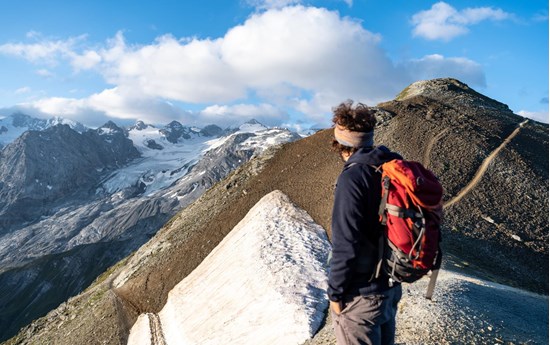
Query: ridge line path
x,y
157,336
483,167
428,151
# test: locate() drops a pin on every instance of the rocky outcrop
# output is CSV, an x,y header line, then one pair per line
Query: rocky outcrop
x,y
211,131
174,131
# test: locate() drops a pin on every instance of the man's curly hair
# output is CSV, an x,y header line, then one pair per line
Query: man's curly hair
x,y
358,118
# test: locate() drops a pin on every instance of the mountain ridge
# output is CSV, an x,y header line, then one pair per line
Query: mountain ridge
x,y
478,233
96,222
77,159
280,255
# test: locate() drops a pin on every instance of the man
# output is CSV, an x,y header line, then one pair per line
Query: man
x,y
363,308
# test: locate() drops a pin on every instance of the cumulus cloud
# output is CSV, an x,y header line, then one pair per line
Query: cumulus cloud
x,y
118,103
89,59
444,22
437,66
281,61
305,48
45,51
309,58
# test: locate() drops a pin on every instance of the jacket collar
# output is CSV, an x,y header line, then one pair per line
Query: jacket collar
x,y
373,156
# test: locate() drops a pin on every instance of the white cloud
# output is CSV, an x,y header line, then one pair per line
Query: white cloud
x,y
541,116
294,56
305,48
87,60
475,15
23,90
311,49
225,115
444,22
437,66
44,52
292,60
115,103
45,73
124,103
272,4
191,71
33,34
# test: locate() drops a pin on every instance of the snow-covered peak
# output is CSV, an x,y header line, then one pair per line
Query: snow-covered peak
x,y
175,125
268,137
251,126
140,125
57,120
263,284
109,128
11,127
175,132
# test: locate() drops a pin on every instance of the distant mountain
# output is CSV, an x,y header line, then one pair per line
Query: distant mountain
x,y
41,169
75,203
493,165
11,127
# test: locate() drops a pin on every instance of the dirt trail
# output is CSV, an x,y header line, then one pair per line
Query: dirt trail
x,y
483,168
428,151
157,337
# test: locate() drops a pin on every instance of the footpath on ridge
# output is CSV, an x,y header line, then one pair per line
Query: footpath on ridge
x,y
483,168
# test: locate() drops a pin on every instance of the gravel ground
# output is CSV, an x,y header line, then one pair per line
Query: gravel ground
x,y
464,310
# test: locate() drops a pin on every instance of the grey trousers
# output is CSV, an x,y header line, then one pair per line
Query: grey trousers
x,y
368,320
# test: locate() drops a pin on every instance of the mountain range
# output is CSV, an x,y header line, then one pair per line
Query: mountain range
x,y
492,163
11,127
74,203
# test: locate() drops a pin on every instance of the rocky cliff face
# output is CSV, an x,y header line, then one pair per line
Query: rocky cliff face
x,y
493,165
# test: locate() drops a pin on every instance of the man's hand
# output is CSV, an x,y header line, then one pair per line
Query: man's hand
x,y
336,307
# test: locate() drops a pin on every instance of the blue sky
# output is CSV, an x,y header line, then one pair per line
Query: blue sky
x,y
284,62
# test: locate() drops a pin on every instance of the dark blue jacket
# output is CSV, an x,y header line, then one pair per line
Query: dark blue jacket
x,y
355,225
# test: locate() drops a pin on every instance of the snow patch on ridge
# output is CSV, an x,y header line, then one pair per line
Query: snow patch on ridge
x,y
263,284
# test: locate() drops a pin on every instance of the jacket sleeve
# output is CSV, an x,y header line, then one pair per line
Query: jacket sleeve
x,y
348,221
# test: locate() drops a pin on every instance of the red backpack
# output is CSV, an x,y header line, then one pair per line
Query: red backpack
x,y
411,213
